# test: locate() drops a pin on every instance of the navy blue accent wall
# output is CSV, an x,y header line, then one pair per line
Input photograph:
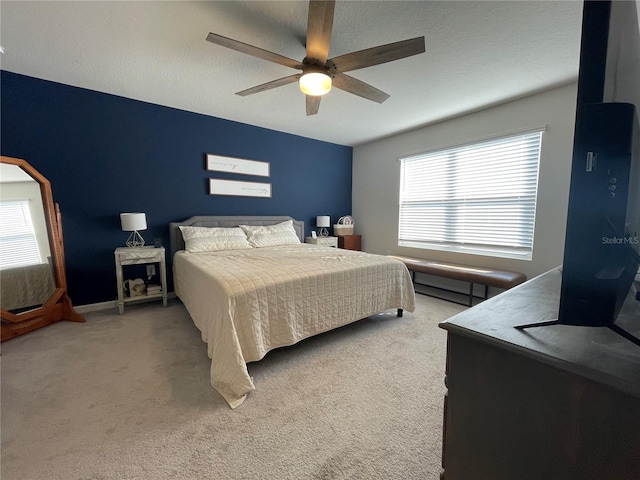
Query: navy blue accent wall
x,y
105,154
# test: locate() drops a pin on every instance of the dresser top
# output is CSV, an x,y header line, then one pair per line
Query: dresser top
x,y
597,353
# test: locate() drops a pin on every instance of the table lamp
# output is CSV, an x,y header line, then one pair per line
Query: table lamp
x,y
323,221
133,222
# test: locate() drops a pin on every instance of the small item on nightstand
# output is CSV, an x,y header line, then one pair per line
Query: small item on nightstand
x,y
135,287
344,226
154,289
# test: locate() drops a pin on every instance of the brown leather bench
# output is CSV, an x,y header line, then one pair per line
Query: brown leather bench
x,y
488,277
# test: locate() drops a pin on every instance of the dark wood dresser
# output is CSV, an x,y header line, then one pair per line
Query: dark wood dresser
x,y
350,242
557,402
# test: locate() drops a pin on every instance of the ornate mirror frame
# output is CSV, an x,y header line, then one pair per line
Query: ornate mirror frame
x,y
58,306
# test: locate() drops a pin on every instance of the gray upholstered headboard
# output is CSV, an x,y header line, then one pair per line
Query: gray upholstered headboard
x,y
177,242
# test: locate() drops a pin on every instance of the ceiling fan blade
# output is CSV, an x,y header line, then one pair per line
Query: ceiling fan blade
x,y
357,87
253,51
269,85
313,104
319,27
378,55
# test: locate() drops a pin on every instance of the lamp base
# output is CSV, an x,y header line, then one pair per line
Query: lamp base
x,y
323,232
135,240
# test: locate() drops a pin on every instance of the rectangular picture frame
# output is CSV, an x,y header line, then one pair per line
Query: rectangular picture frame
x,y
239,188
219,163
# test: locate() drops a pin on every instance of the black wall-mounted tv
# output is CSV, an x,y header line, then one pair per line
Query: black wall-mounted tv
x,y
602,243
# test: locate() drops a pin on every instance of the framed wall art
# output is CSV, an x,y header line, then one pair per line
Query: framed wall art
x,y
218,163
239,188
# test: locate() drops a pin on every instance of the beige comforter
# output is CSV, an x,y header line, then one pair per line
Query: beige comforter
x,y
27,286
247,302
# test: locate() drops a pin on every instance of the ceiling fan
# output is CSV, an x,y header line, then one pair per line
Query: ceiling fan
x,y
320,73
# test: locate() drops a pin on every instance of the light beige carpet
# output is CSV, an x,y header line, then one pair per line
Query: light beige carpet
x,y
128,397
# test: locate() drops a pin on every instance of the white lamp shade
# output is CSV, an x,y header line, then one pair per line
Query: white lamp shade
x,y
323,221
315,83
132,222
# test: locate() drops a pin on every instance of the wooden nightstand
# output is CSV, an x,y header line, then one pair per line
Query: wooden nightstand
x,y
137,256
323,241
350,242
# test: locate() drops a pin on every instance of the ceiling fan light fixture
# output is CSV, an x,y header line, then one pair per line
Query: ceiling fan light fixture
x,y
317,70
315,83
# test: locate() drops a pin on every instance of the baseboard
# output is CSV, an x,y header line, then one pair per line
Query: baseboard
x,y
94,307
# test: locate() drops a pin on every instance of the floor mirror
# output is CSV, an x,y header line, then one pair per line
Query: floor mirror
x,y
32,270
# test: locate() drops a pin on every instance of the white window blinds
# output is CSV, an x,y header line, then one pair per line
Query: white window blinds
x,y
477,198
18,245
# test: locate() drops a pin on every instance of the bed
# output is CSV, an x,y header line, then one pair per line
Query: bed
x,y
250,285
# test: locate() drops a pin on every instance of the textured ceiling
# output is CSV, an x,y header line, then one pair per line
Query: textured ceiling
x,y
478,54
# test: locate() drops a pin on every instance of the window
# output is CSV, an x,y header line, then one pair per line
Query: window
x,y
18,245
476,198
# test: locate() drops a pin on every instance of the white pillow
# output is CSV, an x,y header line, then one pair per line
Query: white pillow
x,y
212,239
271,235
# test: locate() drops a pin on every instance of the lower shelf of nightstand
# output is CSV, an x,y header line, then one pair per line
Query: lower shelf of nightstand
x,y
143,297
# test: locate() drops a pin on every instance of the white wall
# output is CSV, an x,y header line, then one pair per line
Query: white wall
x,y
376,177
